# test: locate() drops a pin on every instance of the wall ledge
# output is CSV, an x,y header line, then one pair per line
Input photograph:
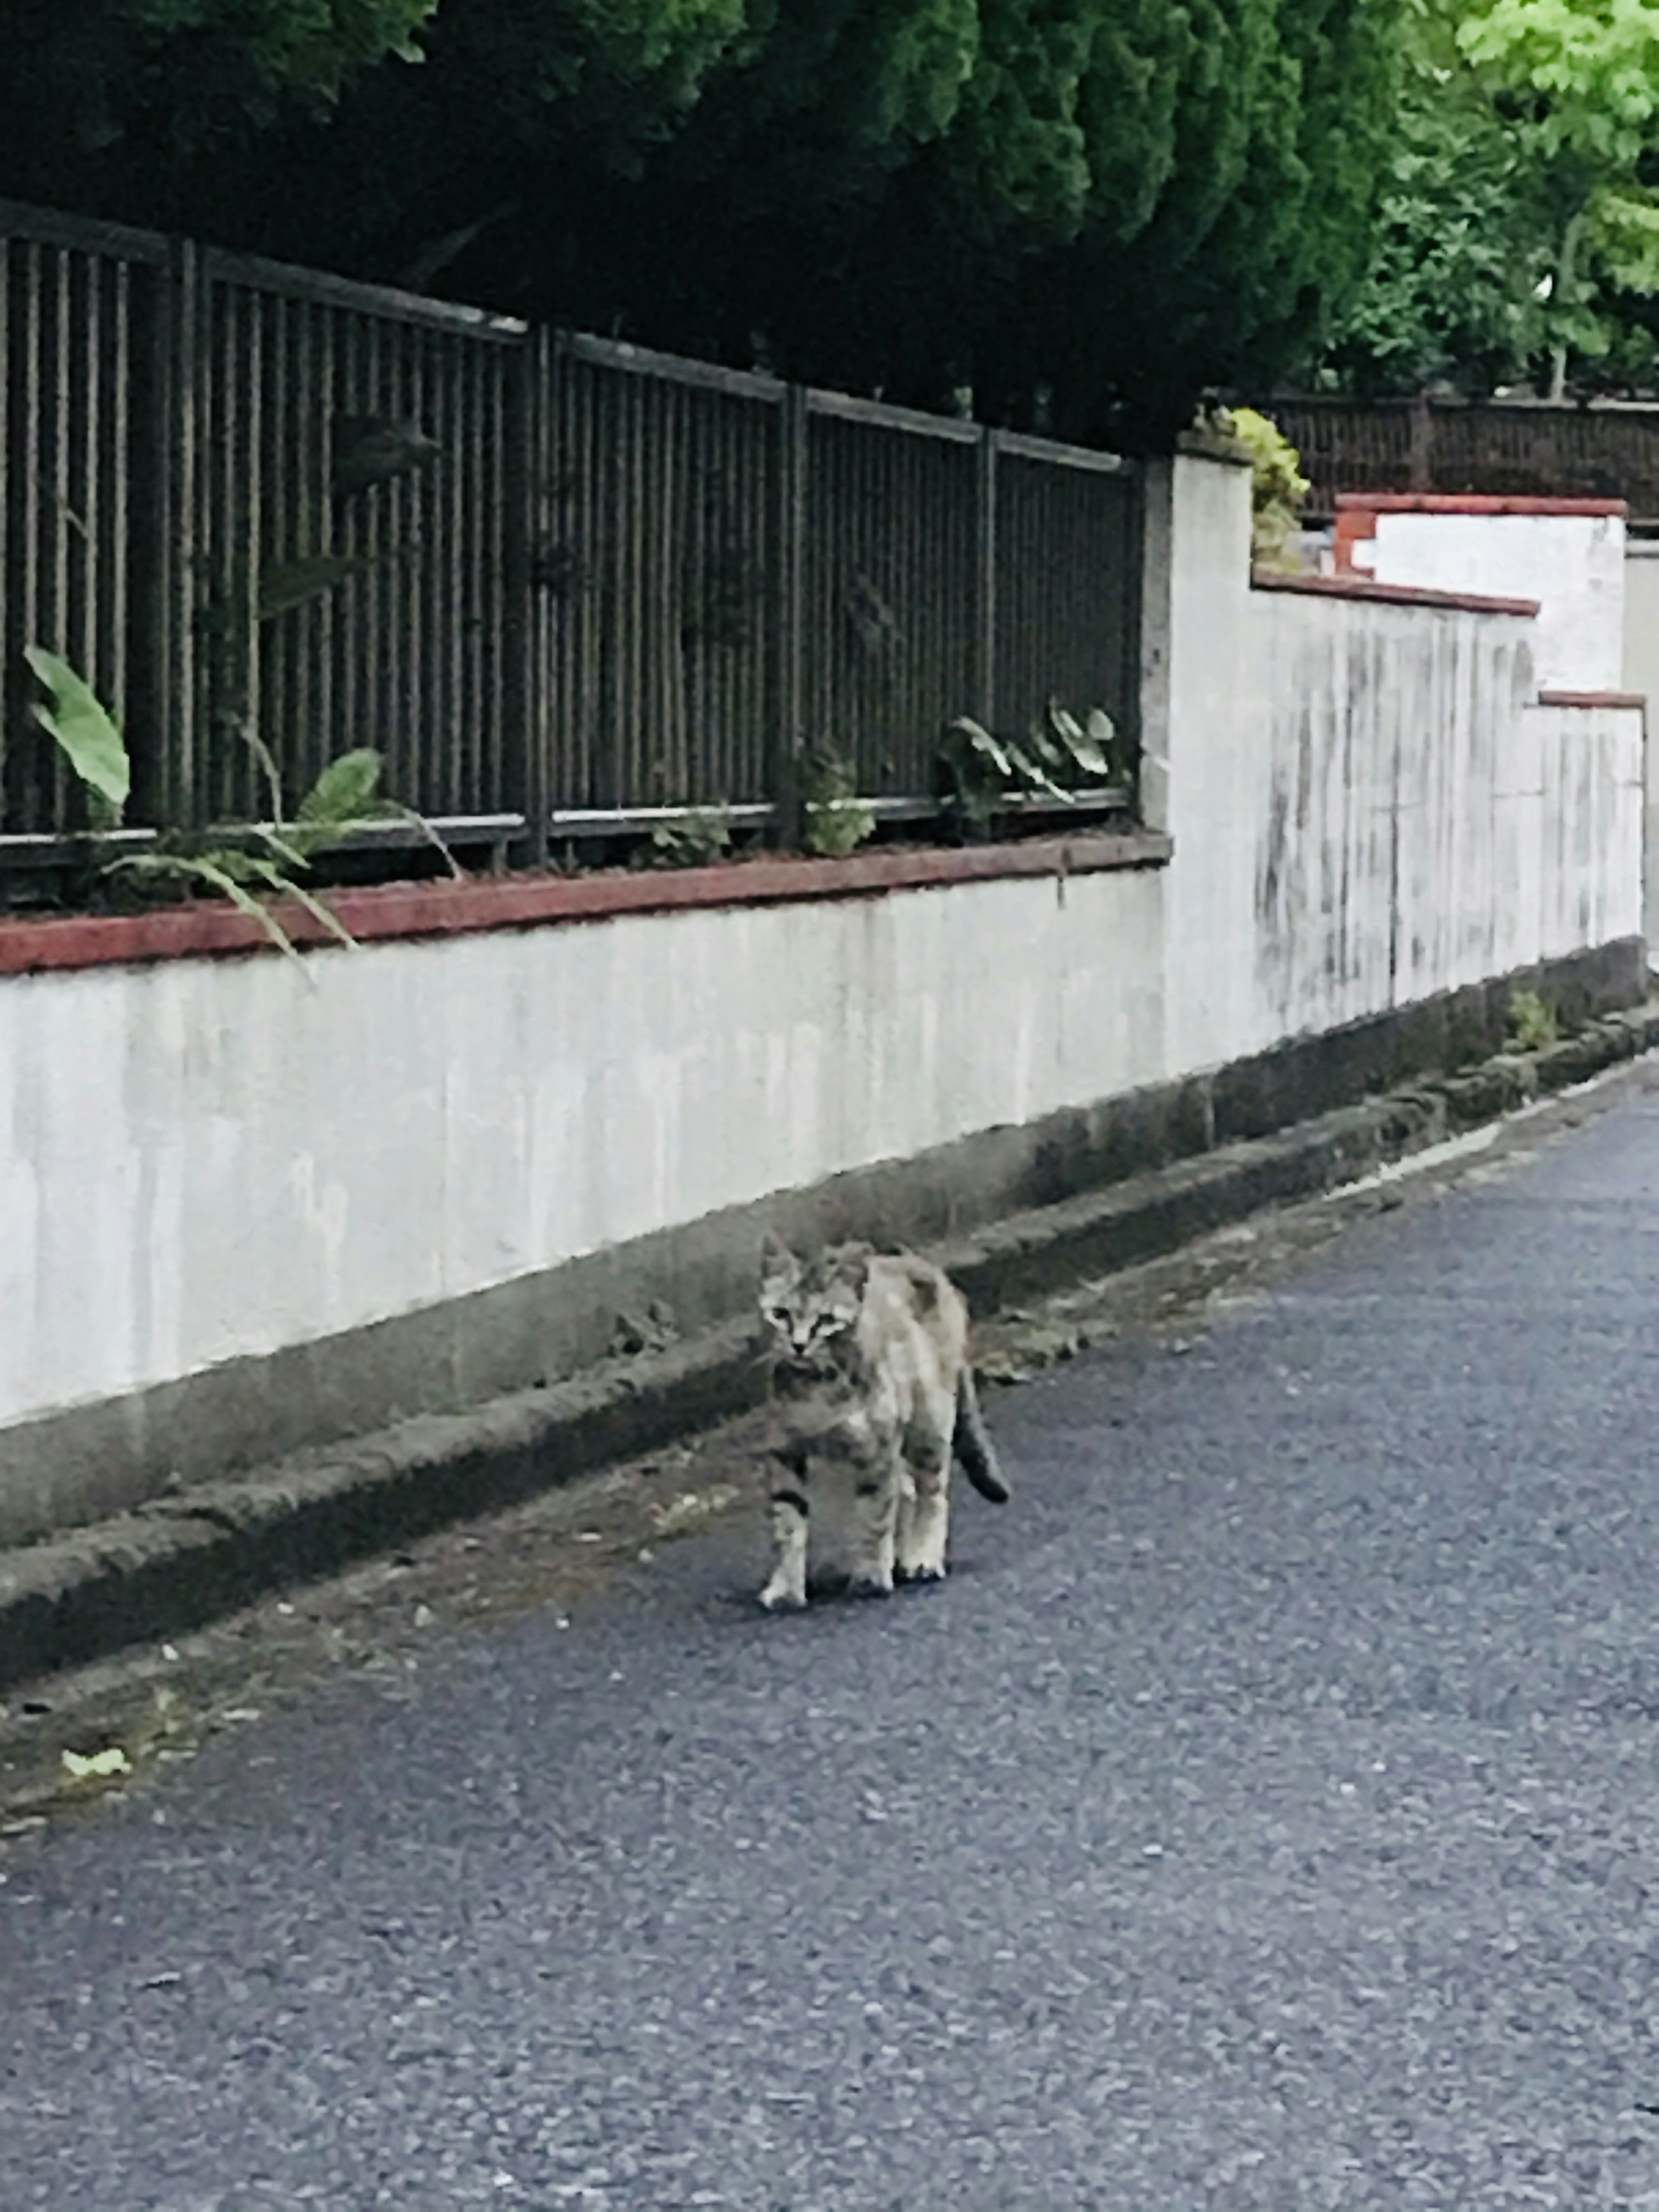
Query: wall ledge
x,y
1399,595
1457,502
1592,698
1204,442
391,911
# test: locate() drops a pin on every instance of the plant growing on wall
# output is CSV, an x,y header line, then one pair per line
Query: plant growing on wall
x,y
1278,488
835,821
249,864
76,719
1059,758
1533,1026
694,839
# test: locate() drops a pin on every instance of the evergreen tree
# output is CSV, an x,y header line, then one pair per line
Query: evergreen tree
x,y
1088,211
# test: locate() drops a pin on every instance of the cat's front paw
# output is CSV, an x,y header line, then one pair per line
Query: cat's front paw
x,y
782,1598
872,1582
912,1575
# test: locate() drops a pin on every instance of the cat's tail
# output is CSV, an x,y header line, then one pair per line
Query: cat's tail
x,y
975,1452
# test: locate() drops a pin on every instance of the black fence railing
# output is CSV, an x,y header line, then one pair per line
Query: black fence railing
x,y
1607,449
561,583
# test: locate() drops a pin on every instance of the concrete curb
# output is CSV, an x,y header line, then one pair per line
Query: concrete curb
x,y
182,1561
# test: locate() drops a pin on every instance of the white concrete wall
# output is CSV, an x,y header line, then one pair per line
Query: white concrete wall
x,y
1369,807
1572,564
200,1159
1641,675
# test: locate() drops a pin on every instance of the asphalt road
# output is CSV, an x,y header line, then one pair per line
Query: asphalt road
x,y
1264,1816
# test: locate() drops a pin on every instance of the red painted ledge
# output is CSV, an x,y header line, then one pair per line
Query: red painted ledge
x,y
1471,502
1397,595
391,911
1592,698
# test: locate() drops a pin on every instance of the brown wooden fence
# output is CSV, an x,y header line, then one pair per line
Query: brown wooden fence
x,y
1608,449
560,582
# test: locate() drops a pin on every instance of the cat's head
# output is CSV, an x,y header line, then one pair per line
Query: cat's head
x,y
808,1306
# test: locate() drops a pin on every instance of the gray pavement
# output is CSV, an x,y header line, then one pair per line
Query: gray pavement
x,y
1264,1816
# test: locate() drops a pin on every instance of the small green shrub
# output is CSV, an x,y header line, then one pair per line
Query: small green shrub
x,y
248,864
834,820
695,839
1532,1026
1058,757
1278,488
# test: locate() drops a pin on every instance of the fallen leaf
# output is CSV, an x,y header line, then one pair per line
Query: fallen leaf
x,y
98,1765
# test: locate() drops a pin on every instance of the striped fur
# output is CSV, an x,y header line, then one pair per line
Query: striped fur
x,y
872,1385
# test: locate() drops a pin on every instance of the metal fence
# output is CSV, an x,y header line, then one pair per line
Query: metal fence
x,y
559,583
1608,449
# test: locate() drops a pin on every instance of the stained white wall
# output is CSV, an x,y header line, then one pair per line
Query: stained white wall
x,y
1641,675
1572,564
200,1159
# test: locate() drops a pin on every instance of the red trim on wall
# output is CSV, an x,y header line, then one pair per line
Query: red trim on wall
x,y
1356,512
391,911
1471,502
1399,595
1592,698
1355,526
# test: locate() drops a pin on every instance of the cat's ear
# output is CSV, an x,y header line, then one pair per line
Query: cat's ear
x,y
851,1277
777,1261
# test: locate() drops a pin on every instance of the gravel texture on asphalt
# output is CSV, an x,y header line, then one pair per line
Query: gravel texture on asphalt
x,y
1262,1817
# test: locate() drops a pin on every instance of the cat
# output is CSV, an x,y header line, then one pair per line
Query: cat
x,y
871,1374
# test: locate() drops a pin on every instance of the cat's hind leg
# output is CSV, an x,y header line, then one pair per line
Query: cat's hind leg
x,y
786,1588
925,1519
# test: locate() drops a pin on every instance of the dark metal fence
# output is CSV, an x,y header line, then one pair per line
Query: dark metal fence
x,y
559,583
80,532
1608,449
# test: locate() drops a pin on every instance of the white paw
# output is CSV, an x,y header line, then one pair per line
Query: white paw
x,y
780,1598
923,1575
871,1584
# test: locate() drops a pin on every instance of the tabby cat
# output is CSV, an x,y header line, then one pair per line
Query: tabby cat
x,y
870,1378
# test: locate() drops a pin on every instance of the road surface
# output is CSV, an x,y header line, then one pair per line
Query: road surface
x,y
1265,1816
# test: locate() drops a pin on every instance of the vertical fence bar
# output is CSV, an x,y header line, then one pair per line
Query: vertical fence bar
x,y
1421,465
785,733
166,770
985,582
523,697
34,807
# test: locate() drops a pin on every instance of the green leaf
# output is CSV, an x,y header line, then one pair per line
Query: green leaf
x,y
344,796
1048,744
346,792
268,768
1034,775
285,850
84,731
226,879
285,885
220,872
1091,745
981,741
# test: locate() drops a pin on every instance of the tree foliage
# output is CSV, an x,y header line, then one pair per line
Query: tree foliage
x,y
1519,233
199,64
1087,211
1581,79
